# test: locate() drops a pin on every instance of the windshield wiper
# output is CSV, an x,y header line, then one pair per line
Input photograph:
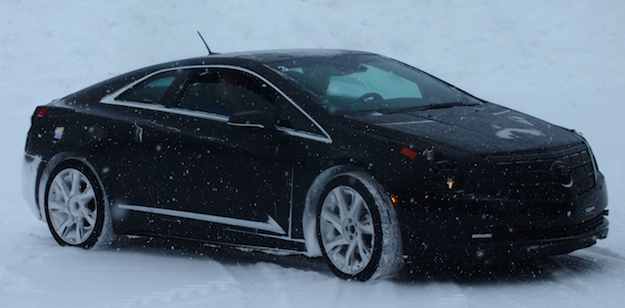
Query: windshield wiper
x,y
434,106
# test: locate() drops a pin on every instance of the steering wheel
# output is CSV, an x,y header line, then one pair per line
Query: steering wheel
x,y
370,98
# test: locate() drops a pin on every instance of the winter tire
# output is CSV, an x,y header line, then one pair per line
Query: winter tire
x,y
357,228
75,207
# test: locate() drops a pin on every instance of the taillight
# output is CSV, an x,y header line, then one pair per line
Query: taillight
x,y
42,111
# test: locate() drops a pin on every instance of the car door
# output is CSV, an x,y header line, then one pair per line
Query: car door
x,y
231,175
210,156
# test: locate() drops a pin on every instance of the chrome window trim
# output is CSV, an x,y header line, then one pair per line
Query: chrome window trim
x,y
197,114
246,125
301,134
110,99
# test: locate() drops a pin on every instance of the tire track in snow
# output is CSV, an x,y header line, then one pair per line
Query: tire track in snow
x,y
594,260
581,271
225,290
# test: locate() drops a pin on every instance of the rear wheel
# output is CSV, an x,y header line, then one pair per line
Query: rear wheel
x,y
75,208
357,228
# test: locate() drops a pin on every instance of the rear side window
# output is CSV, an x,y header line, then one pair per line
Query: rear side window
x,y
150,91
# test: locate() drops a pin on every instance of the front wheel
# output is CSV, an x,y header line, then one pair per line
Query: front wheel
x,y
75,207
358,229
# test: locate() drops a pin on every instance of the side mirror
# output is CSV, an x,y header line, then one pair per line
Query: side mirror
x,y
252,120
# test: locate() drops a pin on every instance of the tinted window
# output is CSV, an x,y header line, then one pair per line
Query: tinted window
x,y
150,91
290,117
226,91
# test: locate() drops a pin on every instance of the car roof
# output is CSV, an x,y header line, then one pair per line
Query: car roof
x,y
244,59
269,56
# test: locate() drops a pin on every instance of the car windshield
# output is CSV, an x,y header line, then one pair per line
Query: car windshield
x,y
370,83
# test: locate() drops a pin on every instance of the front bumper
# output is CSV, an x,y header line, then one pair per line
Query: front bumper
x,y
578,237
494,228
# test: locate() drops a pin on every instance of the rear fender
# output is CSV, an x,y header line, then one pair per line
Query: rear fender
x,y
45,177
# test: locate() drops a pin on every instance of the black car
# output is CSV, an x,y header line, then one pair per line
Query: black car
x,y
348,155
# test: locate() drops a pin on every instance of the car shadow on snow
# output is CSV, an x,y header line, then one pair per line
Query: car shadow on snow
x,y
224,254
501,272
470,273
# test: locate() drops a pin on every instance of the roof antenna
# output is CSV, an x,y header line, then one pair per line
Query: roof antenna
x,y
209,50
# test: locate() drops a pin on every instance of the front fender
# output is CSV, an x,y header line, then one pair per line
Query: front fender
x,y
309,218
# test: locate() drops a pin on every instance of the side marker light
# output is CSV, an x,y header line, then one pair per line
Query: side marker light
x,y
408,153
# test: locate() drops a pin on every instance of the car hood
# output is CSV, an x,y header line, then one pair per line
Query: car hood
x,y
482,129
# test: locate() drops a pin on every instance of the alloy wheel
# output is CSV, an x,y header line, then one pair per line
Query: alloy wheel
x,y
72,206
346,229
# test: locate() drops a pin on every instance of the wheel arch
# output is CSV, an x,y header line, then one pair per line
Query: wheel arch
x,y
55,161
309,217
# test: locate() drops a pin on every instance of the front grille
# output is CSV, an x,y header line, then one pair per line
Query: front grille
x,y
532,175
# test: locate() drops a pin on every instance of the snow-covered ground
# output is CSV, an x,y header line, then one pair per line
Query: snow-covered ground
x,y
559,60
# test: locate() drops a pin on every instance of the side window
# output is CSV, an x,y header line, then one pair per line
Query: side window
x,y
227,91
150,91
290,117
224,92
